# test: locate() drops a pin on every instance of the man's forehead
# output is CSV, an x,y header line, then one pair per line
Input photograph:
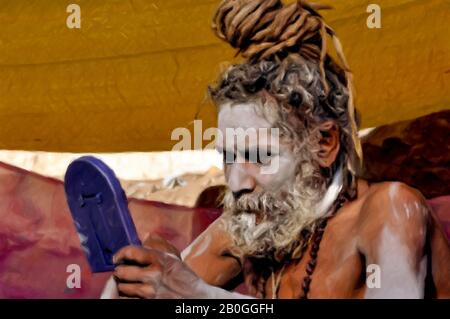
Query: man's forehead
x,y
242,115
247,125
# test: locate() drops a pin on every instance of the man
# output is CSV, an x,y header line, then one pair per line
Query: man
x,y
310,228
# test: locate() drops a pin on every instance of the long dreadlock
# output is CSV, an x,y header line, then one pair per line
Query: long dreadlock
x,y
285,47
261,29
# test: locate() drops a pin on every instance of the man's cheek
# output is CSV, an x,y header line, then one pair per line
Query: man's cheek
x,y
277,173
272,167
269,182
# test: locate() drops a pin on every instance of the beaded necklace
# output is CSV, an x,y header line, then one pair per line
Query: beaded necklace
x,y
316,239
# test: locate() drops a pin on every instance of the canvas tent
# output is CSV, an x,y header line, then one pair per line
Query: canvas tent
x,y
136,70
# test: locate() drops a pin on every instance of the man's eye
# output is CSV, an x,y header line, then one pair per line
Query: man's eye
x,y
247,156
251,156
229,157
257,156
264,159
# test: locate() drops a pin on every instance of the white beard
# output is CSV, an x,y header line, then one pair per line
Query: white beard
x,y
281,227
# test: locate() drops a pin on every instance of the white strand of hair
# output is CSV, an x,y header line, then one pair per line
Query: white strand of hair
x,y
332,193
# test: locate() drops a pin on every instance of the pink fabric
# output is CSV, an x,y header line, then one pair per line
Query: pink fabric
x,y
38,240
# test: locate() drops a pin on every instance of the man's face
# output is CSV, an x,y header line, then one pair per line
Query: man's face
x,y
251,150
266,209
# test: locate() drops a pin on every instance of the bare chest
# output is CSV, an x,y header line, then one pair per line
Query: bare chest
x,y
339,270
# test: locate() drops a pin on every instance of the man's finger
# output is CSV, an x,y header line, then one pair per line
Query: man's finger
x,y
130,274
136,290
135,274
137,254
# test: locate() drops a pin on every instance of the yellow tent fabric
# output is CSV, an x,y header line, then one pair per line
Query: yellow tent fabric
x,y
138,69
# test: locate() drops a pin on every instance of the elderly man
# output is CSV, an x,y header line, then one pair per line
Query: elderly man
x,y
307,227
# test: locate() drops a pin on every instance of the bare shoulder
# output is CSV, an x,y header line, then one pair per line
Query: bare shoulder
x,y
395,191
393,201
394,206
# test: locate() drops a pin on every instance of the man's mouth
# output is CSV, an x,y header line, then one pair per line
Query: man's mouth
x,y
259,216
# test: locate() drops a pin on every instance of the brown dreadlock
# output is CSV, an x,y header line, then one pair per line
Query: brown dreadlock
x,y
286,51
261,29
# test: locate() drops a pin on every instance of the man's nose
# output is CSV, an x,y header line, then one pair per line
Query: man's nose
x,y
239,181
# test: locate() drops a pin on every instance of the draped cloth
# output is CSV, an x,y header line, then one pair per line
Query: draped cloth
x,y
38,240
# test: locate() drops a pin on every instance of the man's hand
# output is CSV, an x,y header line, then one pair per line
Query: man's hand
x,y
154,271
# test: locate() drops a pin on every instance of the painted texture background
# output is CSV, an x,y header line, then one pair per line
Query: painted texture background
x,y
138,69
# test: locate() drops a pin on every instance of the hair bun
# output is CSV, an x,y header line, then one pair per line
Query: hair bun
x,y
261,28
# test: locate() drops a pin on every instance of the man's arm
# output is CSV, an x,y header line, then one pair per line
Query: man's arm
x,y
209,256
392,234
158,271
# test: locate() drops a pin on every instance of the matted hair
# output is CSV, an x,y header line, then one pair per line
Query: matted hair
x,y
285,47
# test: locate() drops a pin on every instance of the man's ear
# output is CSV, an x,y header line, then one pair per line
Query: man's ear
x,y
329,143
